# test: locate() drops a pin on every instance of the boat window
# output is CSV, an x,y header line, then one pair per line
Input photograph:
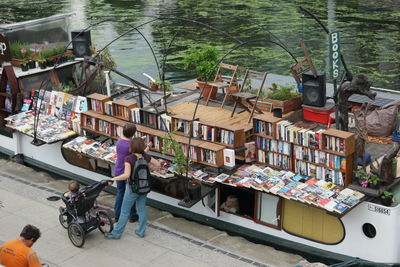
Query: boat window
x,y
239,201
311,223
369,230
268,211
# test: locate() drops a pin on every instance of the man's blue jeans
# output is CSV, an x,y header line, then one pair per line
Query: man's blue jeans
x,y
129,201
121,185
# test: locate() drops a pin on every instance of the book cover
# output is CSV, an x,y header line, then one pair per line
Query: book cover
x,y
47,96
250,154
81,104
60,99
27,105
229,157
53,98
341,207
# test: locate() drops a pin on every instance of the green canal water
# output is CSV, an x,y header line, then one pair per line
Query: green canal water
x,y
370,32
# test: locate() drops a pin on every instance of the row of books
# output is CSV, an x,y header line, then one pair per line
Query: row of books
x,y
334,143
190,152
165,122
149,119
49,128
155,141
288,132
64,101
262,127
274,145
105,151
208,156
320,157
96,105
319,172
135,115
181,126
213,134
277,160
286,184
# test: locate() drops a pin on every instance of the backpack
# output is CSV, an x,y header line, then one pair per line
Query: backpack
x,y
140,176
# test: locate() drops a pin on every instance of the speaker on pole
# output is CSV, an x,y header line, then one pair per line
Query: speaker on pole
x,y
81,42
314,89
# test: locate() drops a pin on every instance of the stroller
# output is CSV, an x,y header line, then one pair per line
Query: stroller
x,y
79,215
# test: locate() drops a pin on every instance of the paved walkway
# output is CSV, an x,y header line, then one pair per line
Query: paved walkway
x,y
23,197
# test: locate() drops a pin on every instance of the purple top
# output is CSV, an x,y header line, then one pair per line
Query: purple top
x,y
123,147
132,161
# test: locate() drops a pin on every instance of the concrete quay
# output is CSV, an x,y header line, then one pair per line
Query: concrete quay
x,y
169,241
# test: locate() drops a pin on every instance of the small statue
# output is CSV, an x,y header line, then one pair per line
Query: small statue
x,y
361,85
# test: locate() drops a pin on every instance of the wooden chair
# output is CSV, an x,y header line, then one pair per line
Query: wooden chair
x,y
245,96
303,66
227,83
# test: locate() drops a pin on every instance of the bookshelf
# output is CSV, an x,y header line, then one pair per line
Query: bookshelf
x,y
226,135
181,124
211,154
122,109
149,116
324,154
96,102
9,90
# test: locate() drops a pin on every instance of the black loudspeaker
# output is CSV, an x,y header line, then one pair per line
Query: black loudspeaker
x,y
314,89
81,42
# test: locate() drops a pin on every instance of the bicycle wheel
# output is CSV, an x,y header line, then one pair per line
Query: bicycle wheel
x,y
63,218
104,222
76,234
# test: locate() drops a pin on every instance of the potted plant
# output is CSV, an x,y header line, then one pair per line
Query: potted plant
x,y
20,54
374,181
171,146
158,85
281,96
386,198
203,61
362,177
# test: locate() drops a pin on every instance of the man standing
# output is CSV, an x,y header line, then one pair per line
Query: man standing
x,y
18,253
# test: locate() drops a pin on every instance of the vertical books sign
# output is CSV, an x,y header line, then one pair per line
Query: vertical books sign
x,y
334,54
4,49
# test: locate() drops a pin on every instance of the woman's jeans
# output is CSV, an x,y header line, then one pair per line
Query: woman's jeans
x,y
129,200
121,185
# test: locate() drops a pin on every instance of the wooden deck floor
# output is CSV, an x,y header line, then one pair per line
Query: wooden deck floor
x,y
213,114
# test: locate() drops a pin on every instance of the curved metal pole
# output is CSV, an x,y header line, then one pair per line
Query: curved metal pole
x,y
256,23
209,76
348,76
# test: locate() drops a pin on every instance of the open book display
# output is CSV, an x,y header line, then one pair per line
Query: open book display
x,y
286,184
50,128
100,150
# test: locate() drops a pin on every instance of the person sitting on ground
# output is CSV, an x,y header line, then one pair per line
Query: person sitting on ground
x,y
18,253
231,204
73,187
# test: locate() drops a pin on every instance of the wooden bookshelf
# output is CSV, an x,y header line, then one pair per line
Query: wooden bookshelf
x,y
231,136
149,116
96,102
182,124
9,90
214,151
312,153
338,142
122,109
265,125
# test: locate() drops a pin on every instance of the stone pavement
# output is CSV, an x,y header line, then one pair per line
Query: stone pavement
x,y
169,241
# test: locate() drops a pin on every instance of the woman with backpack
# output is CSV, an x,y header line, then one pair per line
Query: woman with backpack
x,y
137,168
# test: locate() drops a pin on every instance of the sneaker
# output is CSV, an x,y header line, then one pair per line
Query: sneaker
x,y
133,219
139,235
110,236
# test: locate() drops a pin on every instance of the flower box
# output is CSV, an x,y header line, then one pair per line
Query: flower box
x,y
286,105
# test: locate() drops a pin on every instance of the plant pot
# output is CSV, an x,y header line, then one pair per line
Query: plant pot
x,y
387,201
154,86
42,65
32,64
207,89
16,62
24,67
50,63
194,190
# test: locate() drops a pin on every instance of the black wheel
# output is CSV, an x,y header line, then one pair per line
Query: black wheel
x,y
63,218
76,234
104,222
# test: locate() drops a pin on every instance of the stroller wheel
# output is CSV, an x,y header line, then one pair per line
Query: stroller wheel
x,y
76,234
63,218
104,222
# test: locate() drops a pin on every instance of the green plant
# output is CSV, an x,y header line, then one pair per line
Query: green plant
x,y
170,145
168,84
68,87
20,50
386,194
374,179
281,92
203,60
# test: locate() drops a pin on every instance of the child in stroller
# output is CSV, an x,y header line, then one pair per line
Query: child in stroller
x,y
79,215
